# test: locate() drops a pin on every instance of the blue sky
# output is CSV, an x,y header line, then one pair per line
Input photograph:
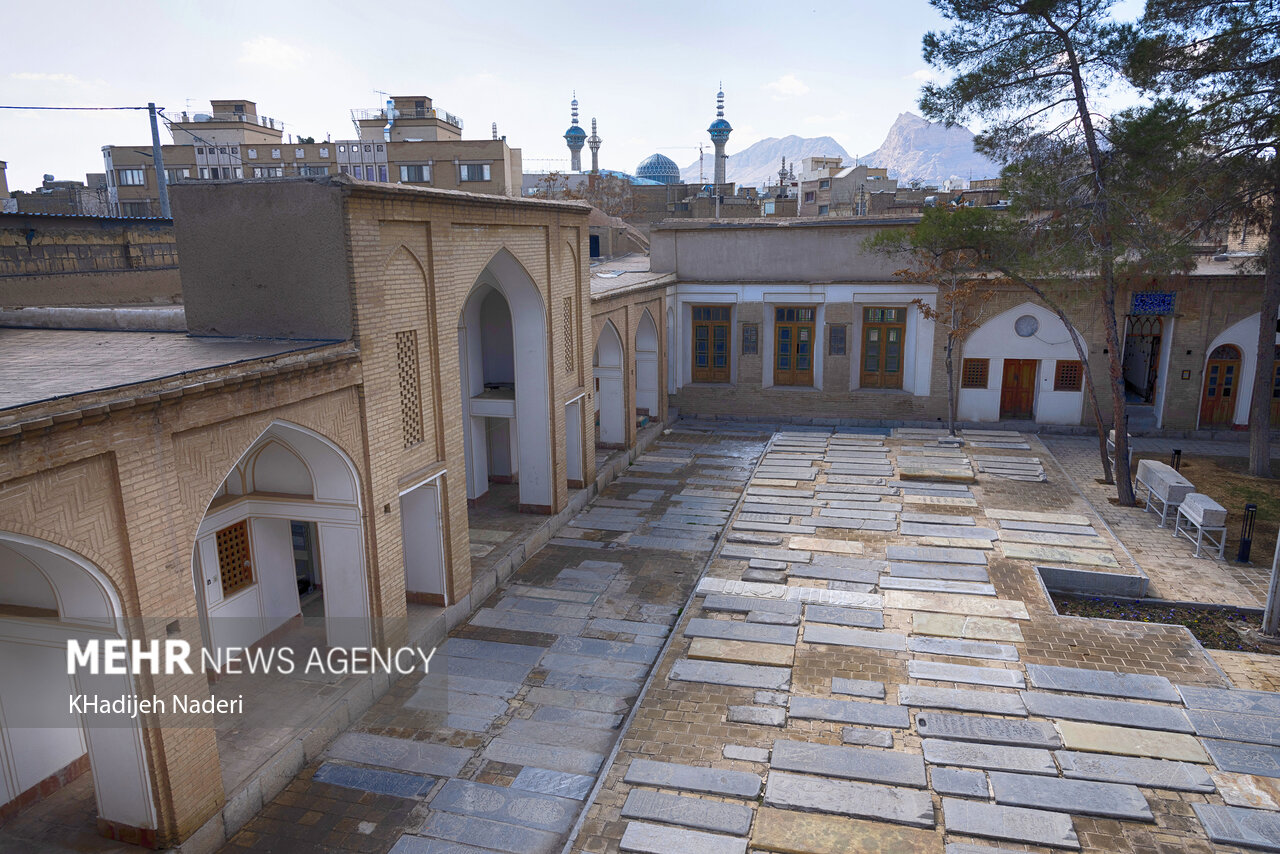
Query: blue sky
x,y
648,72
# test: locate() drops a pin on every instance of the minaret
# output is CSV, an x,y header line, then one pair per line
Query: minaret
x,y
593,142
719,131
576,137
782,178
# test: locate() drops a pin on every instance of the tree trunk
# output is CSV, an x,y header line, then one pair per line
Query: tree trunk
x,y
951,386
1260,405
1119,410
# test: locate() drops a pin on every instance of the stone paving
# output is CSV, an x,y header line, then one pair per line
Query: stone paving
x,y
896,680
498,746
1168,561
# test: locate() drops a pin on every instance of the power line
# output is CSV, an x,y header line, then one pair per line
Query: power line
x,y
21,107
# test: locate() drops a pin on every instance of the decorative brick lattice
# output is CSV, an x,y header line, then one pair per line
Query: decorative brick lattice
x,y
234,564
975,372
410,396
567,319
1068,376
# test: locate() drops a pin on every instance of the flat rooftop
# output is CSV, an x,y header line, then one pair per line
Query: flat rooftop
x,y
624,273
39,365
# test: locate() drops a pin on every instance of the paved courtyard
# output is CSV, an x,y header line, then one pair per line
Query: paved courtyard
x,y
817,642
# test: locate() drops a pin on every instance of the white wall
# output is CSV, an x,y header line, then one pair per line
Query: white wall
x,y
273,559
498,348
573,446
423,539
647,364
610,397
996,340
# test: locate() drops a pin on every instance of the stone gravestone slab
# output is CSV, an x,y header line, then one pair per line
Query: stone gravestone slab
x,y
1011,823
989,730
550,782
1231,700
815,833
851,617
742,652
857,687
500,803
371,780
834,573
1027,760
698,813
841,636
725,673
935,555
1055,554
1238,826
758,715
900,806
1078,797
567,759
1121,712
938,671
714,781
866,737
399,753
940,571
959,782
851,763
467,831
1260,759
962,700
702,627
1107,682
850,712
747,604
1258,729
1148,773
644,838
1123,740
933,585
964,648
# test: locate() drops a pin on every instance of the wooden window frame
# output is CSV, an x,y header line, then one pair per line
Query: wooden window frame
x,y
796,319
969,375
1062,375
712,318
883,327
235,561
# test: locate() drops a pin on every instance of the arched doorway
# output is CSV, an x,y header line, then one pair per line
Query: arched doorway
x,y
48,596
1221,382
506,398
647,366
282,539
1141,363
610,400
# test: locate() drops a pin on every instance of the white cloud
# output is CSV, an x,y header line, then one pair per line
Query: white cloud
x,y
46,77
787,86
271,53
925,75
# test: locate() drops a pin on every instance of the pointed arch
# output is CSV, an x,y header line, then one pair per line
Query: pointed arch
x,y
607,365
77,601
647,365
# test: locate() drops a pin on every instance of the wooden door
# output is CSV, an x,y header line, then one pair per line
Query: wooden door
x,y
711,344
1018,389
883,332
793,333
1221,376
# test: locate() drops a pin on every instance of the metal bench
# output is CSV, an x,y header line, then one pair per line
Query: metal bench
x,y
1165,488
1206,517
1111,448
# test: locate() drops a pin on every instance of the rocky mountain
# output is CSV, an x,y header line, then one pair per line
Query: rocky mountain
x,y
758,163
930,152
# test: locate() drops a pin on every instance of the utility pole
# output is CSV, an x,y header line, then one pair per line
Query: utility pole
x,y
157,158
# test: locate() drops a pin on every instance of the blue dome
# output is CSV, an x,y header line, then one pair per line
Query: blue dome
x,y
658,168
720,124
575,130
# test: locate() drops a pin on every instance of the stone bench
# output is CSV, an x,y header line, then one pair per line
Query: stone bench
x,y
1200,513
1165,487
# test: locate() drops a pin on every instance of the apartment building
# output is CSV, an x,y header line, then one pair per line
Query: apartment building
x,y
829,188
407,141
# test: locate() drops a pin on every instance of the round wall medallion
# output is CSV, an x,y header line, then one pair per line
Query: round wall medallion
x,y
1026,326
